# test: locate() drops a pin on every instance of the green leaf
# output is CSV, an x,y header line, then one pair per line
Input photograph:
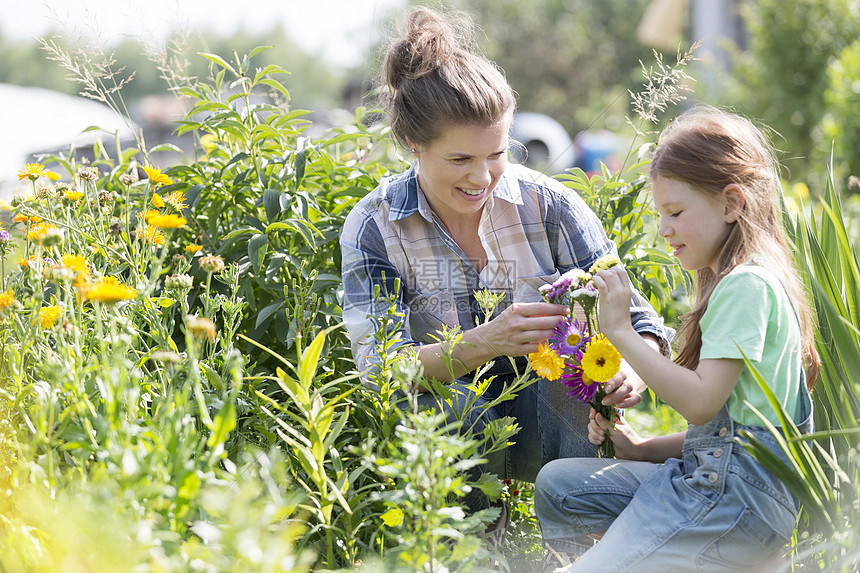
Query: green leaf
x,y
268,311
310,360
272,204
218,60
393,517
225,422
257,247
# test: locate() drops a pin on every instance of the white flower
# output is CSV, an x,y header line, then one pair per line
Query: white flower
x,y
584,292
577,276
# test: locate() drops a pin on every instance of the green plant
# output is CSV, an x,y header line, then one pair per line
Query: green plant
x,y
823,470
271,199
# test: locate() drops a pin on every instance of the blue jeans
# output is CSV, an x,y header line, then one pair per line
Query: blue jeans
x,y
716,509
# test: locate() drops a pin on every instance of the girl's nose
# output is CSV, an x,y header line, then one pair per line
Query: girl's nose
x,y
664,230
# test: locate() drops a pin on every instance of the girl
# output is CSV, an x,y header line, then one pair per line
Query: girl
x,y
697,501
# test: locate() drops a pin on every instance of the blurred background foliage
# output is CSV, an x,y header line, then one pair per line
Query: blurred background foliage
x,y
793,64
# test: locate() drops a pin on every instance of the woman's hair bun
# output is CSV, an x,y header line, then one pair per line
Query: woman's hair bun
x,y
428,42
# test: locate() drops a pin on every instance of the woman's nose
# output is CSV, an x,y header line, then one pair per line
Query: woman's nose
x,y
664,230
481,176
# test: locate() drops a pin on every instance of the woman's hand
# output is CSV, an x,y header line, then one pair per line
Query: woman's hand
x,y
519,329
625,439
613,304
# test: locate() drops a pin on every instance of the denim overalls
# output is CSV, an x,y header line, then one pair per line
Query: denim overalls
x,y
717,509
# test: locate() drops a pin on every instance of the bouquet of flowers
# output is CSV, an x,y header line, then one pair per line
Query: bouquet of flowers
x,y
576,354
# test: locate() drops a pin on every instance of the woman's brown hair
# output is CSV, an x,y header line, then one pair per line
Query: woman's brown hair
x,y
433,77
710,149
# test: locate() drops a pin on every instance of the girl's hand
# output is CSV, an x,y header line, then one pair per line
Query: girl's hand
x,y
625,439
613,304
620,392
519,329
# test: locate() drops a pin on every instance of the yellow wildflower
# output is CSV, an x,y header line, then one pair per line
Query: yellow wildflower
x,y
32,171
600,361
73,195
156,177
208,142
604,262
51,175
7,301
546,362
167,221
46,235
157,201
151,235
176,199
149,214
25,219
49,315
108,290
191,249
76,263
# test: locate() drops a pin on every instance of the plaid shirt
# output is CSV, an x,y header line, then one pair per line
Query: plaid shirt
x,y
532,228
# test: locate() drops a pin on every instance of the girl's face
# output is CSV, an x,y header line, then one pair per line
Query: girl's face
x,y
458,171
694,223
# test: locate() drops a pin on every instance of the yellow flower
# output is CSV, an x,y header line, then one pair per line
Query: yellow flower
x,y
5,205
72,195
604,262
108,290
600,361
167,221
49,315
157,201
546,362
149,214
191,249
46,235
51,175
7,301
177,200
26,219
208,142
32,171
156,177
151,235
76,263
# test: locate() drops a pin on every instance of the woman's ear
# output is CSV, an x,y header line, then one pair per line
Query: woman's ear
x,y
735,202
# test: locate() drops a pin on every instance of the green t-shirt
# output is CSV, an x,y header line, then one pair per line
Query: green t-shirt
x,y
751,308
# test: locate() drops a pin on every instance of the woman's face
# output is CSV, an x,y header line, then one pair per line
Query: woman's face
x,y
458,171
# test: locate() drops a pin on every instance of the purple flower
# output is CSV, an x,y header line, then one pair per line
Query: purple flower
x,y
581,387
4,236
555,292
568,337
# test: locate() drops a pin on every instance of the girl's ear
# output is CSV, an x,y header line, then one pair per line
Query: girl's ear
x,y
735,202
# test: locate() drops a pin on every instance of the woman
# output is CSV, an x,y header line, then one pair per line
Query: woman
x,y
462,219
